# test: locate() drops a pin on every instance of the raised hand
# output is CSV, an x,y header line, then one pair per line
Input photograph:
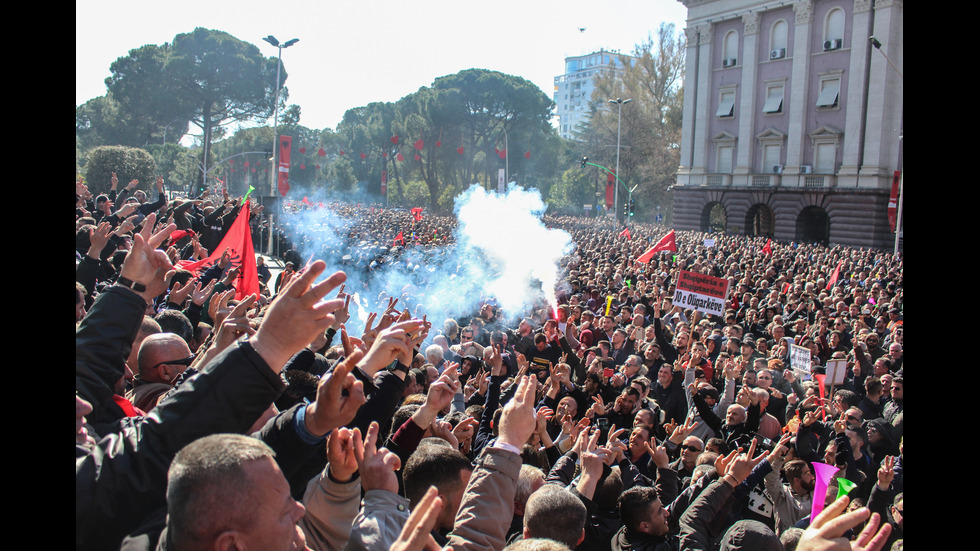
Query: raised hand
x,y
179,294
338,397
145,264
518,420
98,237
199,296
234,324
886,473
391,343
377,466
296,316
740,467
343,447
545,414
444,430
827,530
464,432
416,535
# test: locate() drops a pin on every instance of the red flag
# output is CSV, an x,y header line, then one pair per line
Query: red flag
x,y
285,143
767,248
400,157
626,233
419,144
394,139
459,150
835,275
341,151
238,241
502,153
301,150
364,155
787,287
668,243
321,152
417,213
307,202
527,154
893,200
180,234
399,237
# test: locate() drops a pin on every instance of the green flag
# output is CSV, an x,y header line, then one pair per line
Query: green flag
x,y
250,190
844,486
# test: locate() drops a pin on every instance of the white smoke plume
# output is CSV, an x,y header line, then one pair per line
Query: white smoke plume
x,y
502,252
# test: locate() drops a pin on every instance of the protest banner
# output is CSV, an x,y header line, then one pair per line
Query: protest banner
x,y
799,361
709,242
704,293
836,370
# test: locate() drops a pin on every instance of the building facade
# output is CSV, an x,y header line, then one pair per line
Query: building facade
x,y
792,122
573,90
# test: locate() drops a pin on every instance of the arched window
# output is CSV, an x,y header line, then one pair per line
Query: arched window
x,y
777,40
730,50
833,32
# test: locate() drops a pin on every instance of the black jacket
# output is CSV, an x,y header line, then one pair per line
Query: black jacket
x,y
124,477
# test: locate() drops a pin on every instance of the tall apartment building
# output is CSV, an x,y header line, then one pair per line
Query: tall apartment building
x,y
573,90
792,121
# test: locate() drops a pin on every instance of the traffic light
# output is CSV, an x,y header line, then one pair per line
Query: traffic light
x,y
584,160
631,207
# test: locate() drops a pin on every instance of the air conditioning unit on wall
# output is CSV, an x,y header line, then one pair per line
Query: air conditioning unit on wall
x,y
730,62
834,44
777,169
777,54
806,169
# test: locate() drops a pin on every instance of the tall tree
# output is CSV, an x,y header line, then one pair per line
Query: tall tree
x,y
651,123
210,77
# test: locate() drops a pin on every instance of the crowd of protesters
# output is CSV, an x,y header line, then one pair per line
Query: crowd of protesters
x,y
611,420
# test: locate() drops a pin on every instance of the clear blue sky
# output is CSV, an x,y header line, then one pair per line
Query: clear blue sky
x,y
354,53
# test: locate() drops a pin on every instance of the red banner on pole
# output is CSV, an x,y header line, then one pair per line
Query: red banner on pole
x,y
384,182
610,191
285,145
893,200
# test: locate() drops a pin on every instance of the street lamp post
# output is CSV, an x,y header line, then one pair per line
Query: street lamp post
x,y
901,179
275,128
619,134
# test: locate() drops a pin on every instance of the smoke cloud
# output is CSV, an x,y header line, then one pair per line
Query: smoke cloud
x,y
503,253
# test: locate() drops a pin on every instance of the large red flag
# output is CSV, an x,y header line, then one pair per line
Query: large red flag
x,y
626,233
767,248
399,237
668,243
834,276
238,241
417,213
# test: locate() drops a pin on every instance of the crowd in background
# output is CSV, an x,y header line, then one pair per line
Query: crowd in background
x,y
318,412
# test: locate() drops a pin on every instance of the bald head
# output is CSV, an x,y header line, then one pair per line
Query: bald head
x,y
156,351
148,327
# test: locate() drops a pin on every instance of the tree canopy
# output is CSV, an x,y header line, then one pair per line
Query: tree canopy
x,y
651,124
460,130
206,77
